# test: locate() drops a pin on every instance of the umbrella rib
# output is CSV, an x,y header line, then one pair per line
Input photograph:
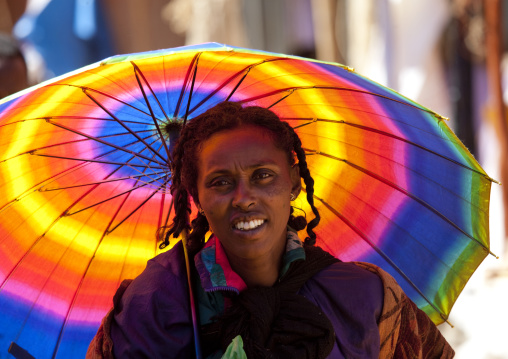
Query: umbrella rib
x,y
137,208
380,252
86,271
52,178
64,213
405,192
126,163
94,160
87,118
231,78
85,89
366,128
115,196
28,191
282,98
182,91
97,139
236,86
106,232
105,178
122,124
138,73
191,92
294,88
68,117
75,141
387,134
101,182
128,194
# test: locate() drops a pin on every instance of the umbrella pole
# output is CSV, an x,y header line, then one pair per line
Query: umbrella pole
x,y
191,297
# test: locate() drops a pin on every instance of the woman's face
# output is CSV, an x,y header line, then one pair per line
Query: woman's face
x,y
244,186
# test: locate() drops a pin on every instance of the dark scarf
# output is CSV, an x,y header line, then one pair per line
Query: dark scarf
x,y
276,322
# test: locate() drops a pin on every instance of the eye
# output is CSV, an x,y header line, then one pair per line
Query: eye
x,y
219,182
262,175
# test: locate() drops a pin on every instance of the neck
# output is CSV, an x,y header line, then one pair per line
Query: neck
x,y
259,272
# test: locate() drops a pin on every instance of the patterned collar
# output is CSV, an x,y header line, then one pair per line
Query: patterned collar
x,y
216,273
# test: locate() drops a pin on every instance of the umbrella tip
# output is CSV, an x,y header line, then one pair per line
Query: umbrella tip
x,y
441,118
445,318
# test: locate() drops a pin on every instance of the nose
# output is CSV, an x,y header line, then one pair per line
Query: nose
x,y
243,196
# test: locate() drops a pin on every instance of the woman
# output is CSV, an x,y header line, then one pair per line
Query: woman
x,y
260,292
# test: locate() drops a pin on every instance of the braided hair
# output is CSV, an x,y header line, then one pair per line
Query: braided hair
x,y
228,116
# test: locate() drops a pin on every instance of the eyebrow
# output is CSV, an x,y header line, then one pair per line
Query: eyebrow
x,y
262,163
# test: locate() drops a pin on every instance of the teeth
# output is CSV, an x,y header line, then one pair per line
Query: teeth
x,y
245,226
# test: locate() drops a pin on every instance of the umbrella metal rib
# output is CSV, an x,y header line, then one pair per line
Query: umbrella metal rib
x,y
137,73
75,142
163,185
85,89
295,88
34,152
224,84
190,69
130,190
138,207
155,120
220,86
48,228
100,182
123,125
107,153
136,154
69,117
75,295
195,71
387,134
408,194
227,82
36,187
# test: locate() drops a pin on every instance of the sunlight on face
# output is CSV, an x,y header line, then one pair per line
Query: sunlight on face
x,y
244,187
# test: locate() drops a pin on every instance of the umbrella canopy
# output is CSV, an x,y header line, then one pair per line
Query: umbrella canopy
x,y
85,177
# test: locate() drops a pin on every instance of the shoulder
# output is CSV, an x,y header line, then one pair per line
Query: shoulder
x,y
352,299
153,315
350,279
345,287
163,279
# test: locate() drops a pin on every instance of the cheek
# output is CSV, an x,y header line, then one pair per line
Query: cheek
x,y
215,208
281,191
278,196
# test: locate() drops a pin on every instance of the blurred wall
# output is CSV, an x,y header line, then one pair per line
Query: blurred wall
x,y
10,12
140,26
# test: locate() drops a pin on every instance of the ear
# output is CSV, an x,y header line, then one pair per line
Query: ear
x,y
296,180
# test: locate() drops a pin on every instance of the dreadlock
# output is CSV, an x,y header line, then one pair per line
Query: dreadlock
x,y
227,116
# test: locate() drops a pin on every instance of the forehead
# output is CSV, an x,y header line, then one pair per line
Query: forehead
x,y
244,145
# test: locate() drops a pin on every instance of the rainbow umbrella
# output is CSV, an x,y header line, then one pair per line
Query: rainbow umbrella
x,y
84,181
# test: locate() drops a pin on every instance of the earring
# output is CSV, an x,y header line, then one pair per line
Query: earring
x,y
201,211
292,198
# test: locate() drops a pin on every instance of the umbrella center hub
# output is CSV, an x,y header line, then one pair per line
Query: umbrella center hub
x,y
171,132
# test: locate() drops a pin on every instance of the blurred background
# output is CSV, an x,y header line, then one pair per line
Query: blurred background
x,y
449,55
